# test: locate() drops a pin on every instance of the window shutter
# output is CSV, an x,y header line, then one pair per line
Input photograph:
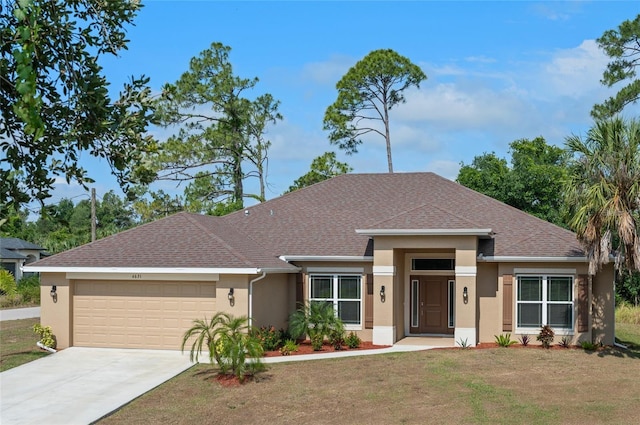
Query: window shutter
x,y
507,303
368,303
583,303
299,289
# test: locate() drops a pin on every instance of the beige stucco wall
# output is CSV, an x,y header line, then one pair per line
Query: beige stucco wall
x,y
270,301
57,313
603,306
489,302
240,305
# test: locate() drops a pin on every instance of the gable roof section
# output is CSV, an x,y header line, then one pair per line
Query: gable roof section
x,y
182,240
8,254
320,221
16,244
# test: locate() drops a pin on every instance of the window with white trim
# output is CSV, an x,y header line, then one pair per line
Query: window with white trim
x,y
343,291
545,300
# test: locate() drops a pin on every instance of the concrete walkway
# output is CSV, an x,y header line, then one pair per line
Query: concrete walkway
x,y
19,313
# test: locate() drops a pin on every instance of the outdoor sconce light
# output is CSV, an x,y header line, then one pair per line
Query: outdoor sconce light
x,y
465,295
54,293
382,295
230,296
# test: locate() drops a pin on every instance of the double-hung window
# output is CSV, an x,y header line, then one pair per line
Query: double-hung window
x,y
343,291
545,300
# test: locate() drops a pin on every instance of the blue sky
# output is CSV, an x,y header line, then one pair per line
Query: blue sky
x,y
497,72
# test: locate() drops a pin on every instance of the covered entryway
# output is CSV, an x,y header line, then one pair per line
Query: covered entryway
x,y
138,314
431,305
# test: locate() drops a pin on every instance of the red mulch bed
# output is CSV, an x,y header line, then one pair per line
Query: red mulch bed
x,y
305,348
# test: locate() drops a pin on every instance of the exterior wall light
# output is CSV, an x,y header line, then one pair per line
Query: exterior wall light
x,y
54,293
230,296
465,295
382,294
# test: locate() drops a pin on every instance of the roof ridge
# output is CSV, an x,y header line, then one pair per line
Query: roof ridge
x,y
226,244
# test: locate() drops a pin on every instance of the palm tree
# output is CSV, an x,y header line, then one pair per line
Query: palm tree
x,y
230,344
603,192
204,333
316,319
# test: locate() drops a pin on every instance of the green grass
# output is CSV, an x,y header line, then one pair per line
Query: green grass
x,y
18,343
626,313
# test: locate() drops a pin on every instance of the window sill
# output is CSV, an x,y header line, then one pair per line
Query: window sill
x,y
352,327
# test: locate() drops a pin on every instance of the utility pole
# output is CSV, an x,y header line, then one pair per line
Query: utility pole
x,y
93,214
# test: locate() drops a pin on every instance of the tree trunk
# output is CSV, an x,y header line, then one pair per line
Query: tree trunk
x,y
387,137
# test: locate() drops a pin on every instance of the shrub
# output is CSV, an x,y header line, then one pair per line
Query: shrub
x,y
7,284
29,288
546,336
353,340
565,342
588,345
316,319
47,338
463,343
525,340
289,347
270,338
336,337
504,340
626,313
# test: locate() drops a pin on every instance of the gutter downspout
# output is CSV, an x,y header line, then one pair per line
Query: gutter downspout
x,y
264,274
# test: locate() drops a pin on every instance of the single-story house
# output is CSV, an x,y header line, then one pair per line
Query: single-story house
x,y
398,255
15,253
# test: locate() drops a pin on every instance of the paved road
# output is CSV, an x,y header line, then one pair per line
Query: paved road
x,y
19,313
81,385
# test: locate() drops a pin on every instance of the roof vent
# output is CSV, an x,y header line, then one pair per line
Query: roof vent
x,y
246,212
270,212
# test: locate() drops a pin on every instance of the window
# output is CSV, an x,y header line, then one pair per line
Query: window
x,y
545,300
343,291
425,264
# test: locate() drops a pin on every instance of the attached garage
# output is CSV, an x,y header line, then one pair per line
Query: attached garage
x,y
138,314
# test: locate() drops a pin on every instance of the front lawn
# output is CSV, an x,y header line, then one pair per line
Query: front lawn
x,y
18,343
500,385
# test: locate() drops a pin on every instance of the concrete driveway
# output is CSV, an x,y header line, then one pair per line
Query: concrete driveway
x,y
80,385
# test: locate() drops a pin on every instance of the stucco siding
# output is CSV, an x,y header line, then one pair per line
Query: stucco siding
x,y
270,301
489,317
604,306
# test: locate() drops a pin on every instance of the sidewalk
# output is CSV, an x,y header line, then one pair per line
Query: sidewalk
x,y
19,313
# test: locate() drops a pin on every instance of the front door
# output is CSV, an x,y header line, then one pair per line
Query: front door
x,y
429,305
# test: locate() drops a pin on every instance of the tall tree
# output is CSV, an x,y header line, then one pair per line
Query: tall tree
x,y
603,192
366,94
322,168
219,130
533,182
54,99
622,45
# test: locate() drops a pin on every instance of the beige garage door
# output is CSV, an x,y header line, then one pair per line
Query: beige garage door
x,y
126,314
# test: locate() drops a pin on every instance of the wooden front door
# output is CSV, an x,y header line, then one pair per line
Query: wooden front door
x,y
429,305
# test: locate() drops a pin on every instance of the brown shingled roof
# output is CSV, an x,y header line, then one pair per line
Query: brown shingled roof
x,y
321,220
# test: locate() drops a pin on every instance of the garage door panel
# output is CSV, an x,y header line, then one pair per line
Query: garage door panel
x,y
138,314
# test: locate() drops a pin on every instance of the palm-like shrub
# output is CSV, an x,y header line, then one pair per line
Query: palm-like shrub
x,y
317,320
229,342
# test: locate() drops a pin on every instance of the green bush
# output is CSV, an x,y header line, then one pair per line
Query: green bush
x,y
316,319
270,338
353,340
29,288
289,347
47,337
504,340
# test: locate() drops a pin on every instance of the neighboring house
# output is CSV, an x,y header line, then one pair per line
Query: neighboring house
x,y
398,255
15,253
